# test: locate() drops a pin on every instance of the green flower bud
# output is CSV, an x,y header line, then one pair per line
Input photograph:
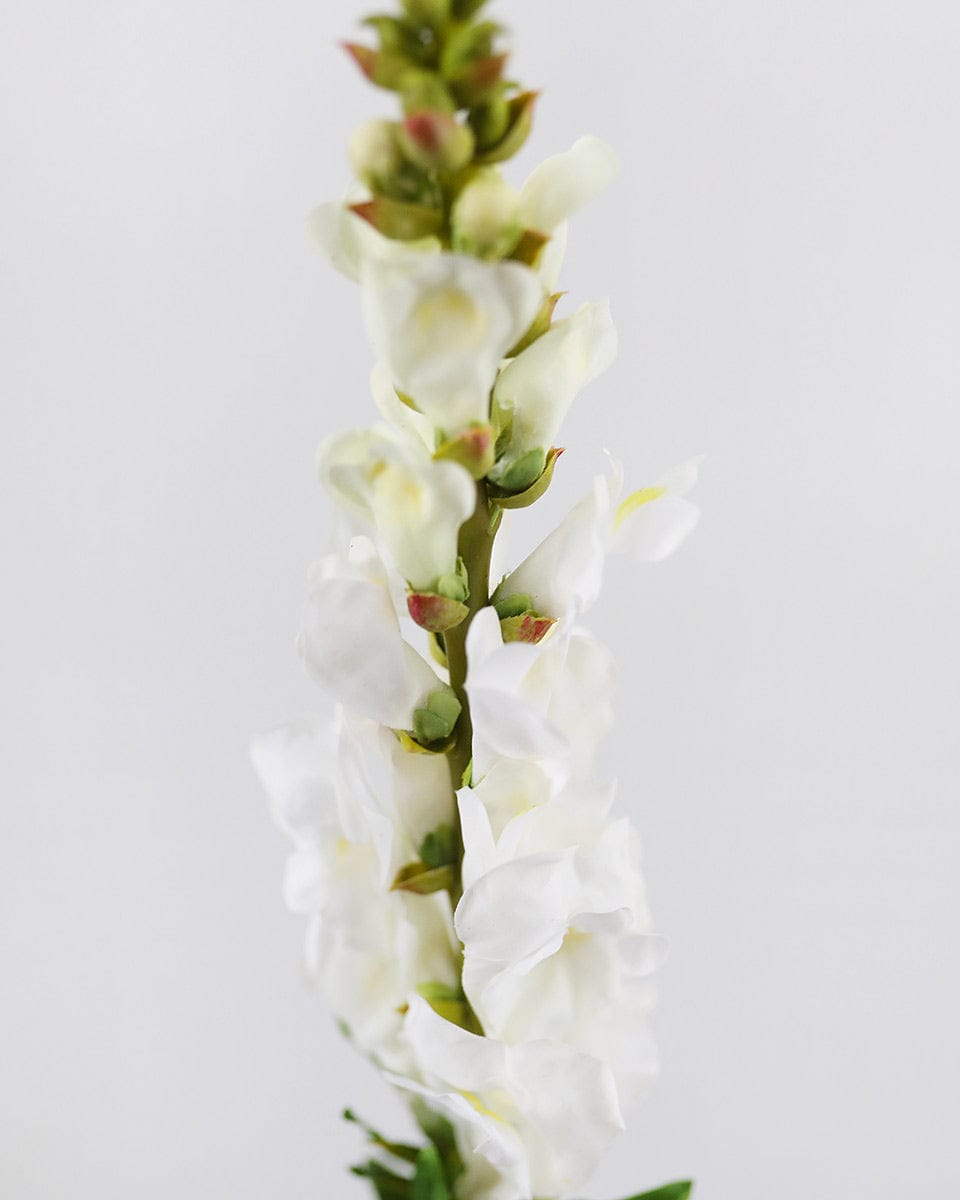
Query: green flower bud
x,y
383,69
529,628
435,722
490,121
462,9
521,474
403,222
433,12
485,219
480,81
374,153
465,45
399,37
436,141
503,498
435,613
519,123
422,90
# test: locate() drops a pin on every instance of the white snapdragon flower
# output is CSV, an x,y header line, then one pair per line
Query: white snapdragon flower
x,y
535,390
442,323
559,187
566,570
351,643
578,949
549,704
531,1120
349,242
416,503
367,947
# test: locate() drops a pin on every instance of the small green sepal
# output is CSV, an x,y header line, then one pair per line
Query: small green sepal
x,y
451,1003
513,606
523,472
380,67
424,881
530,495
519,124
541,323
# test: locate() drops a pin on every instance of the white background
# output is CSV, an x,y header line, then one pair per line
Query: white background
x,y
782,254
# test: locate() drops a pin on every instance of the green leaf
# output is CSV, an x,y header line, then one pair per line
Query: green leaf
x,y
429,1182
440,1132
387,1184
401,1150
670,1191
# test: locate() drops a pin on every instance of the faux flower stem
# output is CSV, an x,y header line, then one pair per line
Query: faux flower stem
x,y
475,547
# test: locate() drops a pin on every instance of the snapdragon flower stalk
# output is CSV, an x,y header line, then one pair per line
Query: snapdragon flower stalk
x,y
477,914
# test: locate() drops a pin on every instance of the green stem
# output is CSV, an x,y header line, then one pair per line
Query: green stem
x,y
475,548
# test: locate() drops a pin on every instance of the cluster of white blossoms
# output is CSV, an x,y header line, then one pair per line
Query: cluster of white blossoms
x,y
477,919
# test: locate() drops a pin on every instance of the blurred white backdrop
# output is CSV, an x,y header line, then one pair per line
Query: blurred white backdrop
x,y
782,253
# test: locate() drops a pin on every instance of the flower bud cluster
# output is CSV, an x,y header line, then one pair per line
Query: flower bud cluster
x,y
477,914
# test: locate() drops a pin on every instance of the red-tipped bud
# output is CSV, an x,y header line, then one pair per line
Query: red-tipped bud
x,y
400,221
436,141
528,628
435,613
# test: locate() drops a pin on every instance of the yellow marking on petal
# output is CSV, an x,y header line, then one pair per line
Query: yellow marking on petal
x,y
635,501
481,1108
451,315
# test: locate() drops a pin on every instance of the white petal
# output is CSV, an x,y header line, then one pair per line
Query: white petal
x,y
352,646
417,504
564,1142
401,416
683,478
565,183
441,324
348,242
656,529
463,1060
295,764
566,569
539,385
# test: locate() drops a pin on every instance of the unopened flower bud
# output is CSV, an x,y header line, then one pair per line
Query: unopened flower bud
x,y
462,9
433,12
486,217
375,152
436,141
423,90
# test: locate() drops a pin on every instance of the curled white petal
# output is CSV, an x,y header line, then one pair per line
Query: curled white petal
x,y
565,183
510,1105
348,242
537,388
